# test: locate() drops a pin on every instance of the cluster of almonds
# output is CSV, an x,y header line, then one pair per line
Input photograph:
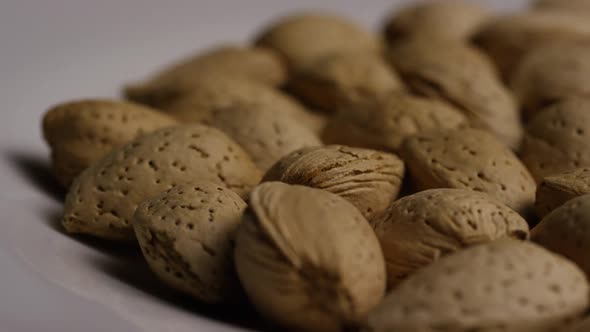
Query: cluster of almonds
x,y
271,174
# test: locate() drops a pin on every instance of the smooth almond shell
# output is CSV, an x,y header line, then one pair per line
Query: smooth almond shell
x,y
368,179
186,235
469,159
556,140
80,133
421,228
102,200
462,76
384,123
308,259
557,189
303,38
505,285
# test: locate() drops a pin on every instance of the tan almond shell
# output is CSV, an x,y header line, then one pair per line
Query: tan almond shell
x,y
186,235
556,140
102,200
566,231
384,123
557,189
463,77
550,74
267,135
506,285
339,79
449,19
419,229
469,159
508,38
307,259
81,132
577,6
368,179
215,93
303,38
250,63
582,325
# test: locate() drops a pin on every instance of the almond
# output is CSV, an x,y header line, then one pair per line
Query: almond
x,y
505,285
308,259
81,132
421,228
303,38
463,77
556,140
469,159
186,235
557,189
384,123
368,179
103,198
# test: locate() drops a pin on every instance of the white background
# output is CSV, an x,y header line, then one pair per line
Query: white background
x,y
55,50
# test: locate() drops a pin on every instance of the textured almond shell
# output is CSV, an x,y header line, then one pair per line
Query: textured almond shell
x,y
449,19
249,63
508,38
338,79
103,199
506,285
214,93
419,229
552,73
566,231
266,134
308,259
81,132
384,123
186,235
465,78
469,159
303,38
556,140
557,189
368,179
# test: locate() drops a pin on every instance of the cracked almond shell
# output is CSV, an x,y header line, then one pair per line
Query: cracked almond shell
x,y
186,235
263,132
419,229
449,19
566,231
368,179
102,200
307,259
469,159
338,79
303,38
551,74
81,132
384,123
250,63
557,189
508,39
217,93
506,285
556,140
462,76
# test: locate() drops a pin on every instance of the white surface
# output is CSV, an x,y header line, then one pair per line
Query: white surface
x,y
54,50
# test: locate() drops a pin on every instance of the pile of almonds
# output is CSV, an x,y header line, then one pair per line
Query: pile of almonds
x,y
430,179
